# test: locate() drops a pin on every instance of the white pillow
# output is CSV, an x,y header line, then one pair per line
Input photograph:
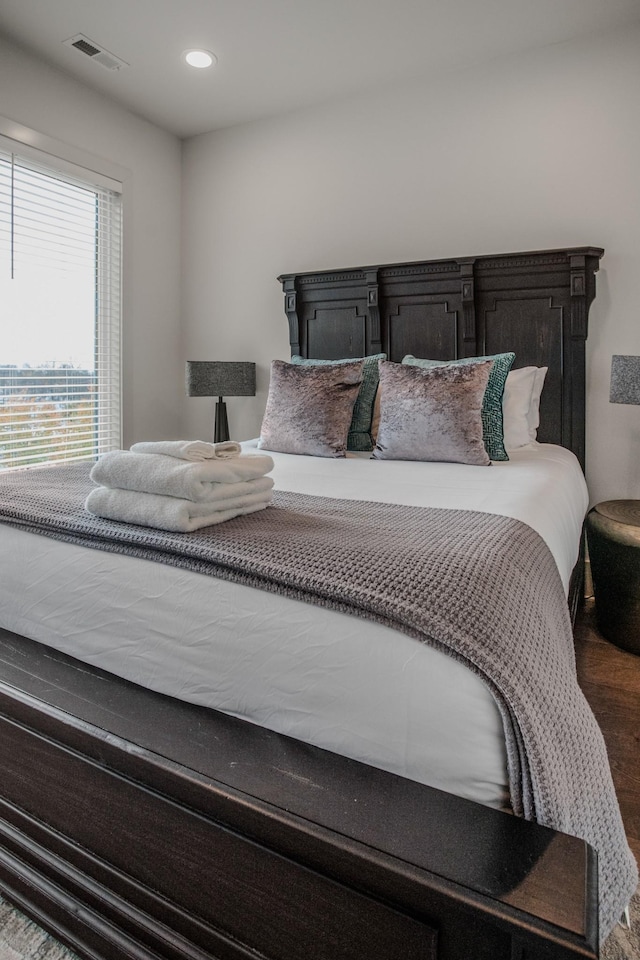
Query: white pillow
x,y
521,405
533,417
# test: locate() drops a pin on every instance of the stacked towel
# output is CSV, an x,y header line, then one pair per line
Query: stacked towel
x,y
171,477
179,485
190,449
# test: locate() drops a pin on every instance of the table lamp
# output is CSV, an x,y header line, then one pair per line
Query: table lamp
x,y
220,378
625,380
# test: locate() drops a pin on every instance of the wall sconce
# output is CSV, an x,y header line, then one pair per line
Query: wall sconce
x,y
625,380
219,378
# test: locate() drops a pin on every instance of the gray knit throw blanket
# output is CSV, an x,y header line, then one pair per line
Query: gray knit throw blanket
x,y
483,588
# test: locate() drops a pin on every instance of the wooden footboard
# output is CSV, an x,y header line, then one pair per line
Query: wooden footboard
x,y
136,826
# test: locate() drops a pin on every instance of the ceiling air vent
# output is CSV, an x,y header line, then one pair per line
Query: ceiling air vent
x,y
96,53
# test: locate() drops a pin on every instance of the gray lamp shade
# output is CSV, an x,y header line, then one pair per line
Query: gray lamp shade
x,y
625,380
220,378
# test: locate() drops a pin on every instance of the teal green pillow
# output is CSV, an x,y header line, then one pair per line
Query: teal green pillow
x,y
492,424
359,437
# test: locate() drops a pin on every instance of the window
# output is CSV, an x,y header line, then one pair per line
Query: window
x,y
60,242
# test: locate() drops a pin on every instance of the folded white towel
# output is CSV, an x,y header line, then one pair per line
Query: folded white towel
x,y
221,492
192,450
169,513
155,473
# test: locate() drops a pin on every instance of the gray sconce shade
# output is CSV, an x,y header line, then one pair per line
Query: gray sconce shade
x,y
220,378
625,380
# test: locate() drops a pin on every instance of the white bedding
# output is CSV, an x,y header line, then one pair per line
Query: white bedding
x,y
354,687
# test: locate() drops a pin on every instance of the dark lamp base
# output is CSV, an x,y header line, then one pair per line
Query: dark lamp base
x,y
221,430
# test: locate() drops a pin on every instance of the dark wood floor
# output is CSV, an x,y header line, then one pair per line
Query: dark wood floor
x,y
610,678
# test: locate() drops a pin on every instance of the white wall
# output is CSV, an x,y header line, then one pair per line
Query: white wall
x,y
537,152
52,104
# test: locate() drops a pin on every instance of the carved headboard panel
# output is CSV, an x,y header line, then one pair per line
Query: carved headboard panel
x,y
535,304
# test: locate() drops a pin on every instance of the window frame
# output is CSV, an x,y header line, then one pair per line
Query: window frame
x,y
78,166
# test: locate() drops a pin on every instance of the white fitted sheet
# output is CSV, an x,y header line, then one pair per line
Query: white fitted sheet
x,y
351,686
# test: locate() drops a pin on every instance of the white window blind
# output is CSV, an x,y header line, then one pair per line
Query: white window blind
x,y
60,252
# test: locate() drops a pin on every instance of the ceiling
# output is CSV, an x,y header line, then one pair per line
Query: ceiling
x,y
275,56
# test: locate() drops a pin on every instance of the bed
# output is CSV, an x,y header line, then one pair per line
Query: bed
x,y
238,802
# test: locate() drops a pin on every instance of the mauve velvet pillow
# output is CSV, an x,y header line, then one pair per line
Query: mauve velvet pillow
x,y
309,408
492,421
432,413
360,432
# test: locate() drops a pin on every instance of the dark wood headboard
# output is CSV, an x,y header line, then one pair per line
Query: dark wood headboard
x,y
535,304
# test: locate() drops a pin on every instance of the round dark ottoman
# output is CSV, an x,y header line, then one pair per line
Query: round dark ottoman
x,y
613,535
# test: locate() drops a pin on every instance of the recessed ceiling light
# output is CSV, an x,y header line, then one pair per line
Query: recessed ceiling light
x,y
200,58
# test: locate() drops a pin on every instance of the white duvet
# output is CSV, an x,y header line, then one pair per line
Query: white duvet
x,y
351,686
